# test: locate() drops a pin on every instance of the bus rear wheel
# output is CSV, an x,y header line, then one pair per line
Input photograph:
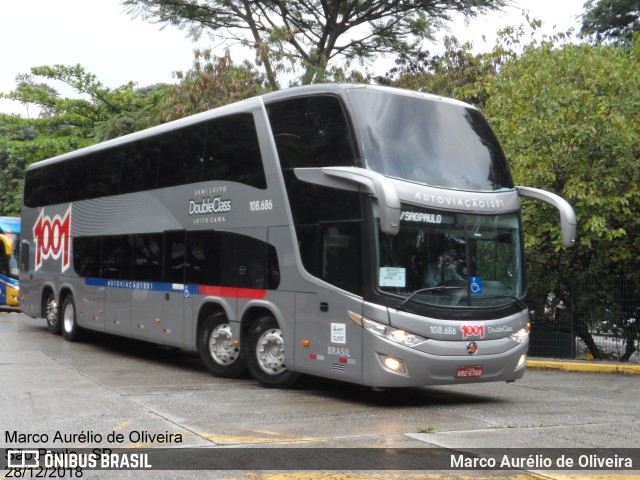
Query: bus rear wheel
x,y
219,354
53,315
266,356
70,328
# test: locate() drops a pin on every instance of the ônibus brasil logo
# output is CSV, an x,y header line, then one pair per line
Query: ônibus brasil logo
x,y
52,238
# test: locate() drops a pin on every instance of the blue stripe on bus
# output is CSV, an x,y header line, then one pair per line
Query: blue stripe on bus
x,y
137,285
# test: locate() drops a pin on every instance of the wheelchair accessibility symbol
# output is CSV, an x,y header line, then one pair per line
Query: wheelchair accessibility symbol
x,y
476,285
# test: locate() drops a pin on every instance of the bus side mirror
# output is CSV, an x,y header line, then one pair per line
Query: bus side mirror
x,y
567,215
356,179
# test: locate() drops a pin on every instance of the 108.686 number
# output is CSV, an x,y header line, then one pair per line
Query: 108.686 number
x,y
260,205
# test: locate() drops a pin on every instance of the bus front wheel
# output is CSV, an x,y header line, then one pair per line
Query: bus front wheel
x,y
52,315
70,328
219,353
266,357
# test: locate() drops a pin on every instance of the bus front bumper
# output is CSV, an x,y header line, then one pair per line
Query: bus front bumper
x,y
387,364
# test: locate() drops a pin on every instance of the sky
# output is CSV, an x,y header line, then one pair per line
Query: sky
x,y
106,41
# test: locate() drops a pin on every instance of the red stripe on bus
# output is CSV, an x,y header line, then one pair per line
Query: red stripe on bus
x,y
248,293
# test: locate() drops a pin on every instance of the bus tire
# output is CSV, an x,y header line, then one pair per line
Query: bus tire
x,y
70,328
52,315
266,355
218,353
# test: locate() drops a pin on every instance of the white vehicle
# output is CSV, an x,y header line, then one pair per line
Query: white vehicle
x,y
359,233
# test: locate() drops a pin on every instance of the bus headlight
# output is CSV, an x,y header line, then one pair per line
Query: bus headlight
x,y
396,335
522,334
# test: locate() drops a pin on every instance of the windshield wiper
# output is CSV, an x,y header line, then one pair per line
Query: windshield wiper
x,y
518,302
426,290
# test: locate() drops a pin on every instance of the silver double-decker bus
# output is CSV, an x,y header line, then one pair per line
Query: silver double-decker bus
x,y
359,233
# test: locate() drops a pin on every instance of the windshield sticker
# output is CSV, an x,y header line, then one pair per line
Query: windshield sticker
x,y
393,277
476,285
338,333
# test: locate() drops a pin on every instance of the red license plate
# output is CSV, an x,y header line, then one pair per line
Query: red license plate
x,y
469,372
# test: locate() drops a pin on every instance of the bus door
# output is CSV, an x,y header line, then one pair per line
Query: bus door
x,y
156,304
175,294
328,341
86,262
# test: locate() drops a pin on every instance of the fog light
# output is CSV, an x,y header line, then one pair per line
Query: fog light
x,y
523,359
394,364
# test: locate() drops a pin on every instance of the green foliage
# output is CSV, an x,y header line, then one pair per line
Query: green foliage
x,y
66,124
568,119
211,82
22,142
143,109
456,73
567,116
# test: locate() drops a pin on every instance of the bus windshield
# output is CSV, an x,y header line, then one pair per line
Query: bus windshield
x,y
452,259
433,142
13,271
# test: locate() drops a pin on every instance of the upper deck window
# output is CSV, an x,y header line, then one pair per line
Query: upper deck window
x,y
220,149
433,142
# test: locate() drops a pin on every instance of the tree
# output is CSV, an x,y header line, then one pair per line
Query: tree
x,y
211,82
567,116
456,73
24,141
611,20
66,124
311,33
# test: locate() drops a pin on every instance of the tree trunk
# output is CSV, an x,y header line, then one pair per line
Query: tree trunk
x,y
582,330
632,335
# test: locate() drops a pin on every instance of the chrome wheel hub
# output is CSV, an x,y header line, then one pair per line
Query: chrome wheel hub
x,y
270,352
221,347
52,312
68,318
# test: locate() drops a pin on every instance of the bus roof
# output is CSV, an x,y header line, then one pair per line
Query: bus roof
x,y
9,225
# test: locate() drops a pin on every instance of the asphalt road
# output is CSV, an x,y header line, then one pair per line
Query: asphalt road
x,y
111,392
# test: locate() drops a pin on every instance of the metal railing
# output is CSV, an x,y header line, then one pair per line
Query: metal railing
x,y
592,322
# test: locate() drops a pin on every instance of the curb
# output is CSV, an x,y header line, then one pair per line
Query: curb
x,y
588,367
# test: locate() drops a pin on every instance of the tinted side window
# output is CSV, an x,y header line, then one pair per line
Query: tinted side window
x,y
205,258
174,257
311,132
232,151
202,261
105,173
230,259
314,132
180,155
248,262
224,148
86,256
116,257
139,165
147,257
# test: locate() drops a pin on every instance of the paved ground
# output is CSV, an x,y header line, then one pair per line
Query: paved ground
x,y
106,385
